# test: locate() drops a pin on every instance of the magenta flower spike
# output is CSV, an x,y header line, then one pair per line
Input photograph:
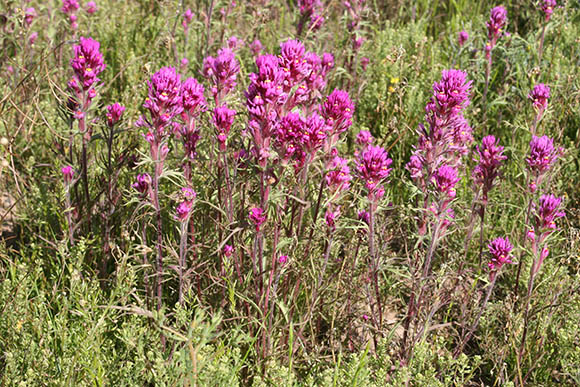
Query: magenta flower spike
x,y
373,166
187,18
228,250
495,25
462,38
487,168
541,157
445,180
114,113
338,175
87,64
283,260
548,212
314,134
183,211
163,100
547,7
223,118
264,96
289,135
91,7
539,97
500,249
451,94
293,63
67,174
222,72
337,110
193,100
258,217
29,15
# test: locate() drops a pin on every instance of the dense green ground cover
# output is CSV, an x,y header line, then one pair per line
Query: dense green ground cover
x,y
83,310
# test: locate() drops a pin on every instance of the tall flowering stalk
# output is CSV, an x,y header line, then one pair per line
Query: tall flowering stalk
x,y
495,26
433,167
164,104
539,96
547,213
373,167
446,137
499,249
87,64
222,72
489,161
540,159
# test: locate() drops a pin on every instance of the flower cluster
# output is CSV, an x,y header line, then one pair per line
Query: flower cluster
x,y
87,64
337,110
114,113
541,157
373,166
163,100
497,21
187,18
289,136
222,72
448,135
293,63
91,7
257,216
547,7
263,97
193,104
183,210
338,175
29,15
223,119
445,179
548,212
500,249
487,168
462,38
67,174
546,215
70,7
539,97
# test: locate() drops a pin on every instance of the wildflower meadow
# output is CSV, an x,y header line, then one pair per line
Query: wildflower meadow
x,y
289,193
